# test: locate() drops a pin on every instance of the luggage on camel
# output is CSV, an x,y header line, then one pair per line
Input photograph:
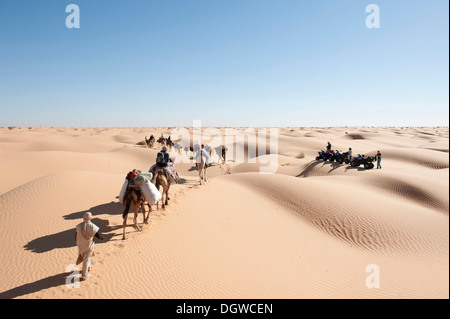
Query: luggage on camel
x,y
170,169
151,193
144,182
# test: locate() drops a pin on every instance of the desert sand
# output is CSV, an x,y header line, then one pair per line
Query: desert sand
x,y
307,231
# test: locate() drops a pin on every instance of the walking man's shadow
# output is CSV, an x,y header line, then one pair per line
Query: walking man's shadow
x,y
26,289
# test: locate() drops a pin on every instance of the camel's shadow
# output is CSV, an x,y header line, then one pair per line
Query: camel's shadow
x,y
112,208
193,169
66,238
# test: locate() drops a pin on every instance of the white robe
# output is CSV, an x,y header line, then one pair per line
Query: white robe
x,y
86,245
198,158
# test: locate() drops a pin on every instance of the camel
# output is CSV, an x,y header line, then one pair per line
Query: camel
x,y
202,168
221,151
178,147
162,140
195,149
187,149
169,143
134,197
161,178
150,141
208,149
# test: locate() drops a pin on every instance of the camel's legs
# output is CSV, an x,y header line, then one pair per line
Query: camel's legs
x,y
136,214
148,215
127,204
163,200
125,216
143,212
167,197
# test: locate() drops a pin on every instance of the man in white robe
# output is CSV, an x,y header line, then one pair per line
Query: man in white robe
x,y
205,154
85,243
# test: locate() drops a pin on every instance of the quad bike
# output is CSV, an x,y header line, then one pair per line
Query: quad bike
x,y
340,157
325,156
362,160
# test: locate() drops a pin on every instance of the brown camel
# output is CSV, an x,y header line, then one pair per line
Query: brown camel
x,y
169,144
150,141
162,141
221,151
134,198
202,168
161,178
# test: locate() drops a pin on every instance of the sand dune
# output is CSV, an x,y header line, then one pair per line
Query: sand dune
x,y
307,231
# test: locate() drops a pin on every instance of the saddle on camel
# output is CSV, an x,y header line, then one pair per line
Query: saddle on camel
x,y
163,161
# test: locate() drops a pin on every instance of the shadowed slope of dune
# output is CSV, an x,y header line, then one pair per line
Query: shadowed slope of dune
x,y
351,213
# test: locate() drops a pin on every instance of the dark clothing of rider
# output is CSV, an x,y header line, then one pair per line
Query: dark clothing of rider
x,y
165,161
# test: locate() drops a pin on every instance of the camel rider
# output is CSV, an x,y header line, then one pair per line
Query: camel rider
x,y
162,159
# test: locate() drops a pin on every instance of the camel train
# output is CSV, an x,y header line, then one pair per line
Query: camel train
x,y
147,189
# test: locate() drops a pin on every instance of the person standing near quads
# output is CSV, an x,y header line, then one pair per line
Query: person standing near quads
x,y
378,158
328,146
85,243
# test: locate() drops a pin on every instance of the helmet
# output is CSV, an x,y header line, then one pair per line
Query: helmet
x,y
164,149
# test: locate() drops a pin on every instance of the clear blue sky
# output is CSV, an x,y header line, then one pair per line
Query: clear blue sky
x,y
225,62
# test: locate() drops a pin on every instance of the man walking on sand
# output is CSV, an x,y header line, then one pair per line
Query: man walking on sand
x,y
85,243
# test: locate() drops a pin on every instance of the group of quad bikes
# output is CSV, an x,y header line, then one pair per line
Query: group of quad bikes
x,y
341,158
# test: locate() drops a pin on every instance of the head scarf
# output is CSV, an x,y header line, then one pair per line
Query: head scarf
x,y
86,219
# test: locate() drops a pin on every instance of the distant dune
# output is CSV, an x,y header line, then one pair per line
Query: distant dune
x,y
307,231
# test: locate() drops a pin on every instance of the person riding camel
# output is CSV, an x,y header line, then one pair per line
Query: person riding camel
x,y
164,161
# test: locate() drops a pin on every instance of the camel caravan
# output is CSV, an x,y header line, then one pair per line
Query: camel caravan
x,y
141,189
